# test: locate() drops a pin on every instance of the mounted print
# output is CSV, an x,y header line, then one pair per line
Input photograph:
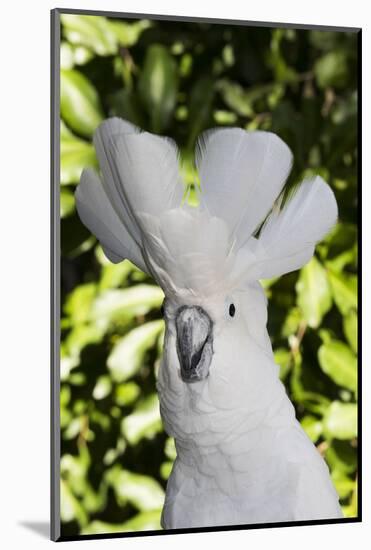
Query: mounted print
x,y
205,232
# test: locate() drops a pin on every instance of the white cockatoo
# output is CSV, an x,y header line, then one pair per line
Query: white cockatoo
x,y
242,456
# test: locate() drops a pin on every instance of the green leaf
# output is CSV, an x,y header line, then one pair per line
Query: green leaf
x,y
292,322
243,101
340,420
76,154
145,421
165,469
112,454
170,450
72,431
331,69
200,106
342,456
236,98
323,40
341,238
66,56
92,31
120,305
351,510
126,394
80,104
81,55
350,327
67,362
125,103
102,420
74,469
344,291
97,527
268,283
339,363
102,387
282,357
128,34
313,293
145,521
345,258
127,356
114,275
76,238
158,85
67,202
344,485
77,379
277,60
312,427
224,117
185,65
71,508
345,109
81,336
74,55
143,492
79,302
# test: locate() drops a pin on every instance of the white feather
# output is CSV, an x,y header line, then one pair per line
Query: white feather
x,y
241,175
139,173
190,248
288,237
97,213
103,136
148,169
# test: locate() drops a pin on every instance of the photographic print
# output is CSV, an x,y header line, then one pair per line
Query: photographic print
x,y
205,300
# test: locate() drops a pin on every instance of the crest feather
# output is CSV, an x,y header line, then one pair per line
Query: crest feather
x,y
191,247
241,174
136,209
289,235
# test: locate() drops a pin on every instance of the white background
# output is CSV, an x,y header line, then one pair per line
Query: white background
x,y
24,304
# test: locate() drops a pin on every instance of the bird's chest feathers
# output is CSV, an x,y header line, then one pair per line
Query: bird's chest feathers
x,y
239,478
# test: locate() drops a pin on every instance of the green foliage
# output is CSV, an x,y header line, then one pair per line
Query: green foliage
x,y
157,86
179,79
80,106
314,297
76,154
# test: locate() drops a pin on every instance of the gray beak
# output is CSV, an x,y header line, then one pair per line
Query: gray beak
x,y
194,343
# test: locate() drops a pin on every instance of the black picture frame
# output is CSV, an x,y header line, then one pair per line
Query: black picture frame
x,y
55,271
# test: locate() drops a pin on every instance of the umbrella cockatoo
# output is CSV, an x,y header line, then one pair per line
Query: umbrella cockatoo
x,y
242,457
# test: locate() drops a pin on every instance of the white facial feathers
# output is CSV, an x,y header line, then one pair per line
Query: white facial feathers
x,y
136,211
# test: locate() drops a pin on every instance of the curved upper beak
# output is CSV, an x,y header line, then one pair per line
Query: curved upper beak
x,y
194,342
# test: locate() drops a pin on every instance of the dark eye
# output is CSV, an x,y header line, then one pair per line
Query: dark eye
x,y
232,310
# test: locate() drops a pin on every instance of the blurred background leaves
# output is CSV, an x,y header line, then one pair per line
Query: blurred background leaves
x,y
179,78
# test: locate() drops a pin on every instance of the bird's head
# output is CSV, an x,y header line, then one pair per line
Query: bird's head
x,y
208,294
207,259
